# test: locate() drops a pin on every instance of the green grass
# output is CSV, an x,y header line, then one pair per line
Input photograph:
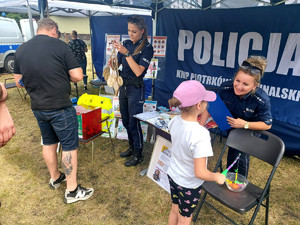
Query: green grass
x,y
121,196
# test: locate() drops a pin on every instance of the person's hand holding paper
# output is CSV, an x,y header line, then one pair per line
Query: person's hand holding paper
x,y
236,123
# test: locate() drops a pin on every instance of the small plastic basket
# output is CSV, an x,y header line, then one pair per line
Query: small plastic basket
x,y
236,183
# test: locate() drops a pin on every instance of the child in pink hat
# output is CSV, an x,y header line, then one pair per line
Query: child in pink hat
x,y
190,148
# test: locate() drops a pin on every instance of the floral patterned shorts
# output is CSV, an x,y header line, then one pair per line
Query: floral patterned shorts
x,y
186,198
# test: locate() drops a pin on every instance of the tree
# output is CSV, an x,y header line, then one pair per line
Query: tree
x,y
17,16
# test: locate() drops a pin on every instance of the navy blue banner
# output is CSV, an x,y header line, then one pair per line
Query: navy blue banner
x,y
209,46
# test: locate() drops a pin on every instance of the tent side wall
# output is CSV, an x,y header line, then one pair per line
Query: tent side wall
x,y
112,25
209,46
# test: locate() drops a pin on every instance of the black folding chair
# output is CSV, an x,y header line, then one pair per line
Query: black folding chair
x,y
9,85
260,144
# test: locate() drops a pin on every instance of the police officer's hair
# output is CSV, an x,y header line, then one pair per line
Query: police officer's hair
x,y
46,24
141,24
255,61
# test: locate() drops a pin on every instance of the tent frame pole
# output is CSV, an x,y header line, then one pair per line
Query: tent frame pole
x,y
93,68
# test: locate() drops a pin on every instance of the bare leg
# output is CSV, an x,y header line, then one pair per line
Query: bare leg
x,y
182,220
50,157
69,163
176,219
173,216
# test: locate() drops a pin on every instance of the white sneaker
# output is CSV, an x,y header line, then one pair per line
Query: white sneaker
x,y
54,184
80,195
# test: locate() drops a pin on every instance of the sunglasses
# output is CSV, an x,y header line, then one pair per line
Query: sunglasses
x,y
253,69
133,19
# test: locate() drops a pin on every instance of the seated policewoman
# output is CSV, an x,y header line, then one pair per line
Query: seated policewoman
x,y
249,105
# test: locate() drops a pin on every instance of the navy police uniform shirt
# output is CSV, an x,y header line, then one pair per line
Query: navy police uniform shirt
x,y
143,58
252,107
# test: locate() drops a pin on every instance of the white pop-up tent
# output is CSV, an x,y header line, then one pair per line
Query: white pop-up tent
x,y
65,8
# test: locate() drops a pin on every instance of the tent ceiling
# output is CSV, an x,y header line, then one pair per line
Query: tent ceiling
x,y
190,4
124,7
71,8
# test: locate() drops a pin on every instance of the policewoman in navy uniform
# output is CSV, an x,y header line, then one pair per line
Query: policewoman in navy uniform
x,y
249,105
135,56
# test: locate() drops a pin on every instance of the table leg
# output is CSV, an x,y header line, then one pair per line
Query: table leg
x,y
93,156
112,145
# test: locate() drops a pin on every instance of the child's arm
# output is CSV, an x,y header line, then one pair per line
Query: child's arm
x,y
203,173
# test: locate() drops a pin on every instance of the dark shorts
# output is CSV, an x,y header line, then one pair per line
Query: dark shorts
x,y
59,125
186,198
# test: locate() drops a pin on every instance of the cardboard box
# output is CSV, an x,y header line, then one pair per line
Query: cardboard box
x,y
88,122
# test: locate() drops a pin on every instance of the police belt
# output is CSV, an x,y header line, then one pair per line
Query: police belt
x,y
135,81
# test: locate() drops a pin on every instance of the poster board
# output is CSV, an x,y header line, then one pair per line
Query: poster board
x,y
110,40
149,106
159,46
122,132
159,163
116,106
152,69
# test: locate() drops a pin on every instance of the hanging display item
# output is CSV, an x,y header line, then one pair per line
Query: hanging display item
x,y
111,72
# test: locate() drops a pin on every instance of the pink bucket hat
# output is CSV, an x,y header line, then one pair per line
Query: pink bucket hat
x,y
192,92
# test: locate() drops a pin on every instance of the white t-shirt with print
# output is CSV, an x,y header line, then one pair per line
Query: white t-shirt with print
x,y
189,140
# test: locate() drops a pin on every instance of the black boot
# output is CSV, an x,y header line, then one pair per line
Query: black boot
x,y
127,153
135,159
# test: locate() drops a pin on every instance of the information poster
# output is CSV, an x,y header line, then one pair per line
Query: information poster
x,y
121,131
152,69
144,127
110,41
116,106
159,163
159,46
149,106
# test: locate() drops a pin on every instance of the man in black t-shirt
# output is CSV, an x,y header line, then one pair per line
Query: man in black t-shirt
x,y
79,49
46,65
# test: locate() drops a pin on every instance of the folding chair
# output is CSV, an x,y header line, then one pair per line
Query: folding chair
x,y
9,85
260,144
98,83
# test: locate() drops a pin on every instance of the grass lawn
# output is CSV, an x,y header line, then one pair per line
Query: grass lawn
x,y
121,195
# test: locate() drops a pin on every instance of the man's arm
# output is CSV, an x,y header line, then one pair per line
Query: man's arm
x,y
3,93
76,74
7,127
18,77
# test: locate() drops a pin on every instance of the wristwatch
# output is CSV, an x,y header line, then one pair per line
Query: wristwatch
x,y
247,125
127,54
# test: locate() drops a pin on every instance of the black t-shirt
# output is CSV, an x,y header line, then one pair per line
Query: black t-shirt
x,y
78,48
44,63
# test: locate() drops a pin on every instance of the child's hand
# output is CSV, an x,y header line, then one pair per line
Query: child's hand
x,y
220,178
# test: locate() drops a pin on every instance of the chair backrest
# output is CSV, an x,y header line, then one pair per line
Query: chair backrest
x,y
260,144
9,85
